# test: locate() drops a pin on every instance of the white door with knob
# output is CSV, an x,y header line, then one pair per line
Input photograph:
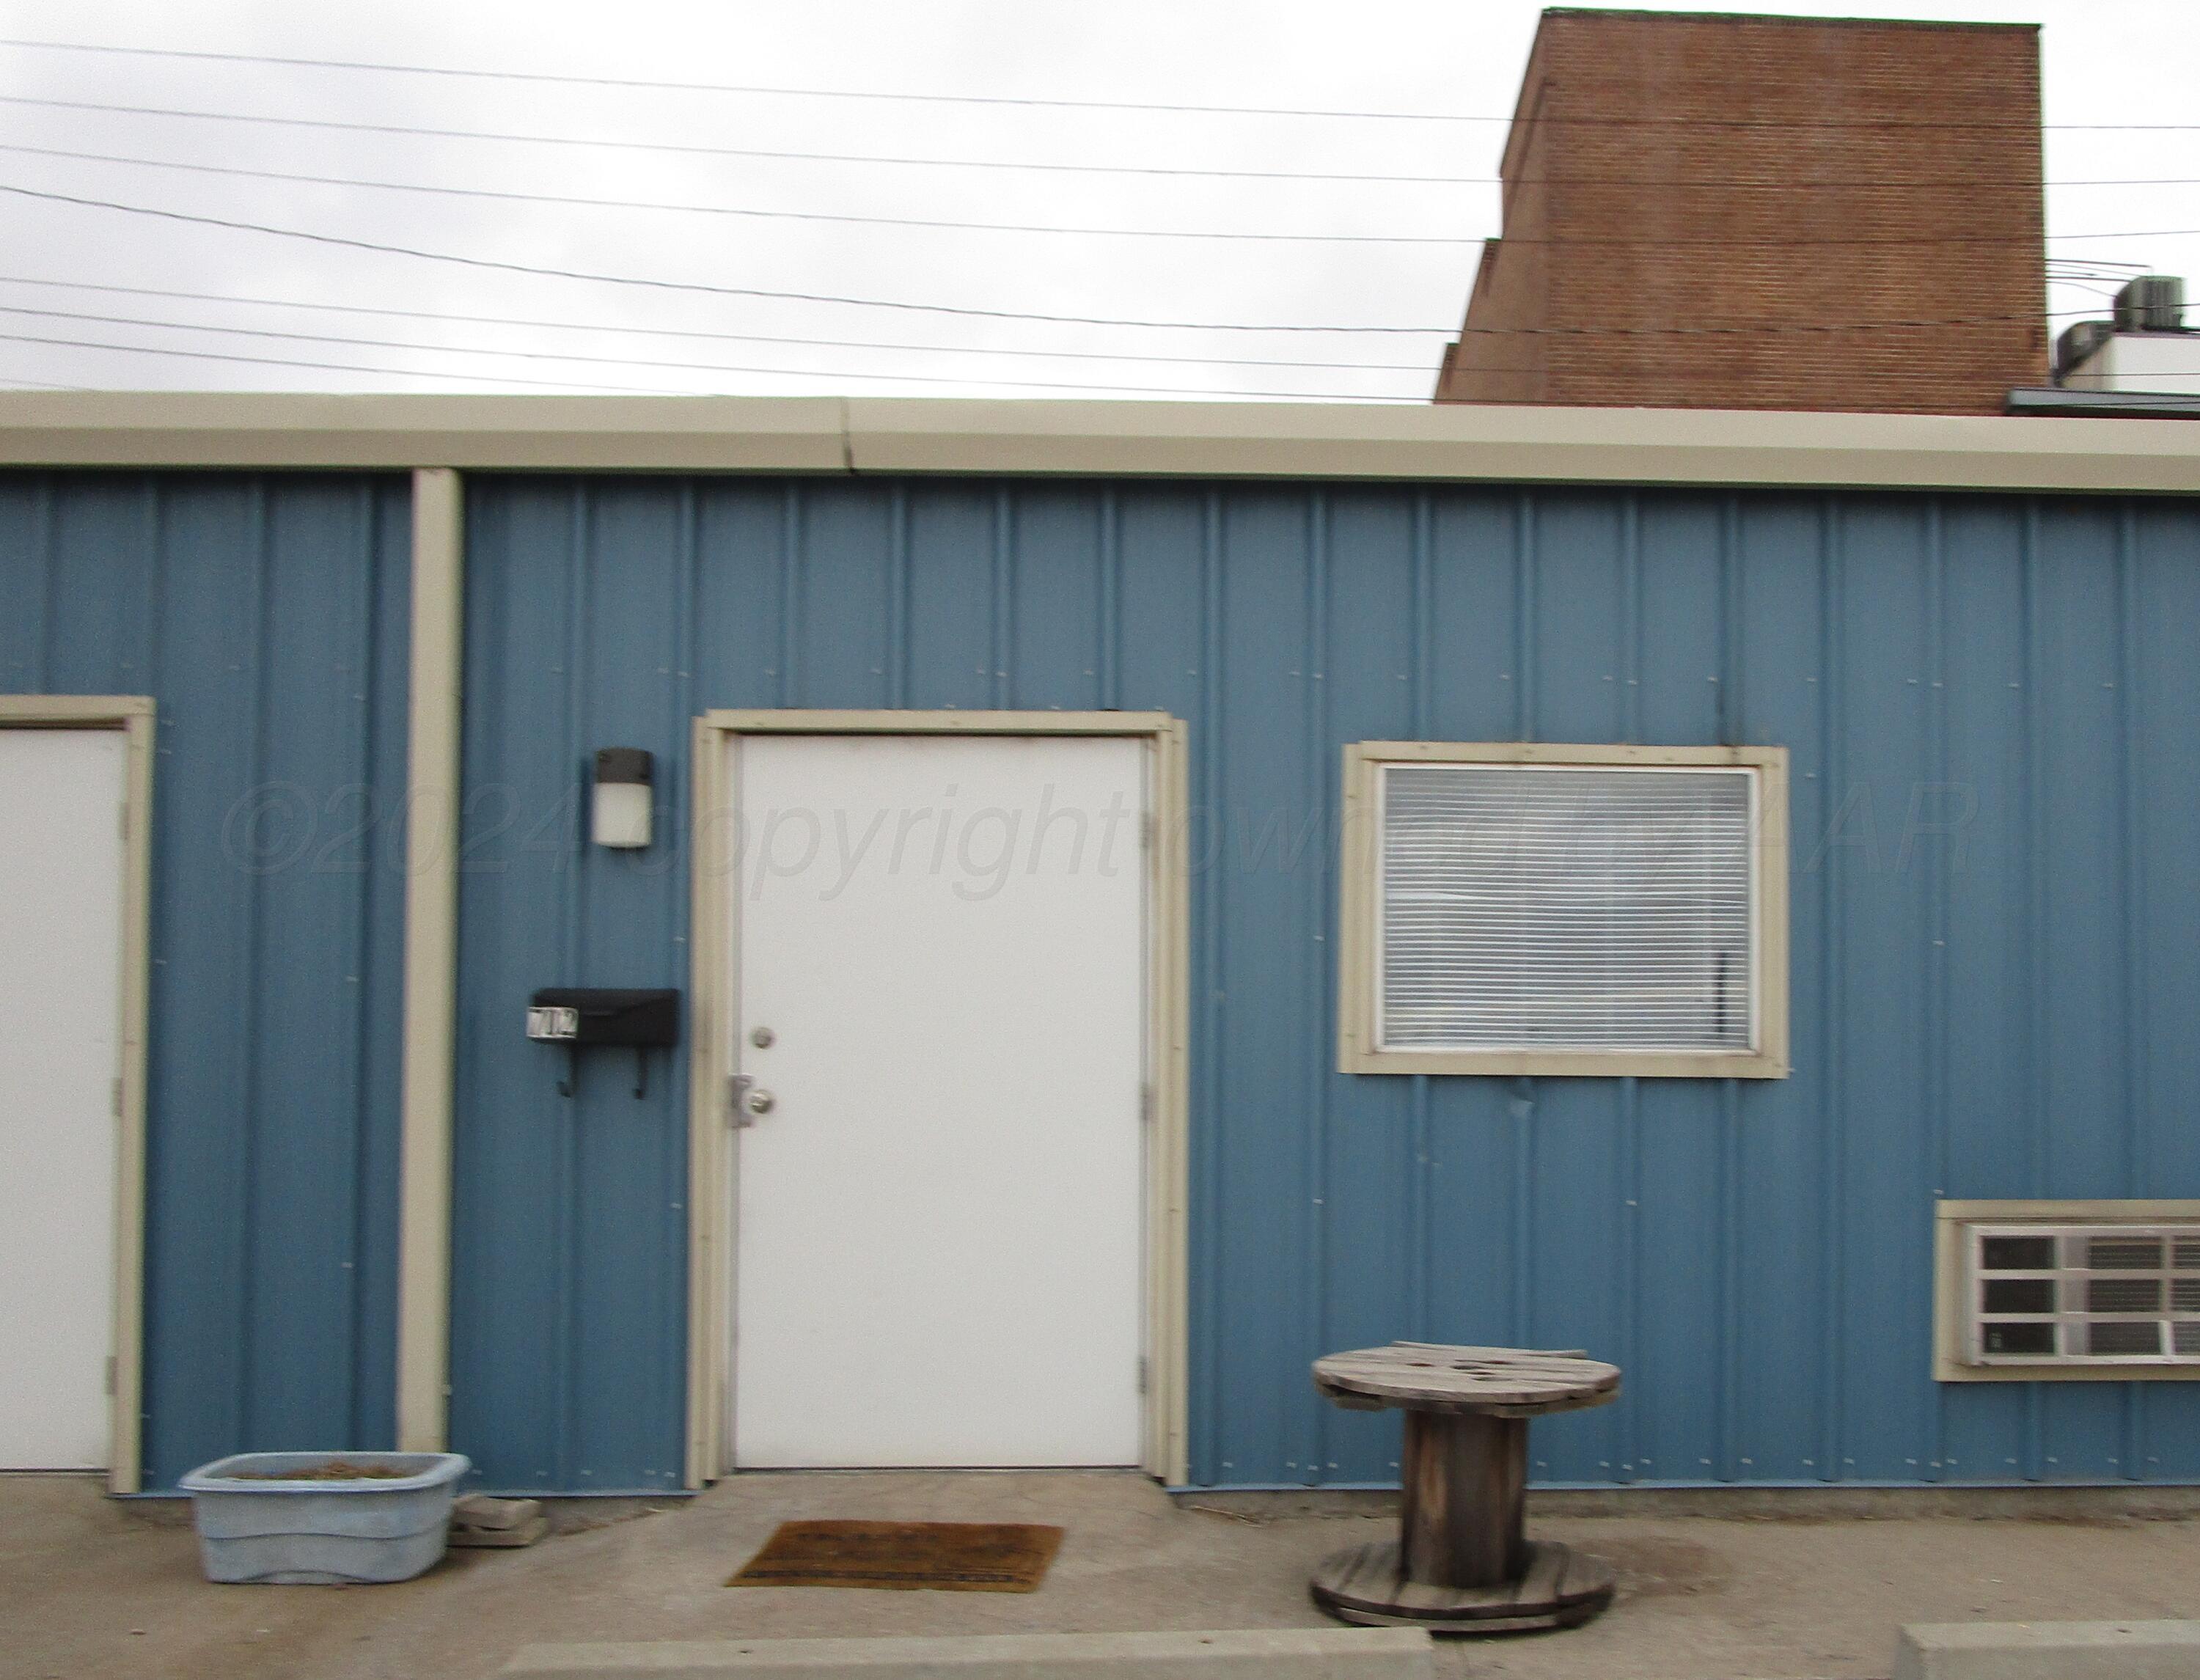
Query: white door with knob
x,y
940,953
61,795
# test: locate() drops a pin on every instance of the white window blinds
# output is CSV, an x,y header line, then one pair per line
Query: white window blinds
x,y
1556,908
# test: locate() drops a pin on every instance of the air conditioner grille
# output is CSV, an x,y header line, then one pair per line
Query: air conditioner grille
x,y
2141,1253
2042,1294
2123,1294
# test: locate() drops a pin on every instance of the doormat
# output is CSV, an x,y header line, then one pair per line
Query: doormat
x,y
915,1557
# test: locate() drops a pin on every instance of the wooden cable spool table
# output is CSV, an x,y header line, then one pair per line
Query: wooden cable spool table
x,y
1462,1562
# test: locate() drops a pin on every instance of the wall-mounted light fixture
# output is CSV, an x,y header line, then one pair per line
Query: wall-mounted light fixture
x,y
621,814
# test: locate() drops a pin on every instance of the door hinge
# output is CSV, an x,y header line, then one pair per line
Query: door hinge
x,y
737,1086
1142,1373
115,1099
110,1373
1146,1104
124,821
1149,830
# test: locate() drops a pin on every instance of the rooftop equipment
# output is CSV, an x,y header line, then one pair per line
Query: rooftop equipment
x,y
2151,303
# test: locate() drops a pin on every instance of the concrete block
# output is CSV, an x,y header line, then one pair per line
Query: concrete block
x,y
478,1520
2049,1651
1281,1653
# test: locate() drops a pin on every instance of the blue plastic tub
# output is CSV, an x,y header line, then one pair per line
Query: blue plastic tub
x,y
256,1526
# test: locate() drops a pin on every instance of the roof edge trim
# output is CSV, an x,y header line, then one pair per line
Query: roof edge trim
x,y
1461,442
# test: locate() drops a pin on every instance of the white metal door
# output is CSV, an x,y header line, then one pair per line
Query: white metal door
x,y
61,795
940,973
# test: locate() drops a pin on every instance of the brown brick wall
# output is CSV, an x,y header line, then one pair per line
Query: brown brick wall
x,y
1773,177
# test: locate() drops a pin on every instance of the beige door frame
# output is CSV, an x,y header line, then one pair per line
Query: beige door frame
x,y
710,1163
132,714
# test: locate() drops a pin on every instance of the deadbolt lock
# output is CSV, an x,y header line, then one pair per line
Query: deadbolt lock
x,y
759,1102
762,1038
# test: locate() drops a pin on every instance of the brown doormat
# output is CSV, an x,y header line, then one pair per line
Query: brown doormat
x,y
936,1557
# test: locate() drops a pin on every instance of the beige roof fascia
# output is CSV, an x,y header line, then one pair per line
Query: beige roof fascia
x,y
1455,442
483,434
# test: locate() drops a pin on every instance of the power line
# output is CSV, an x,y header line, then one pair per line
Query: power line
x,y
1014,315
698,287
413,131
636,361
738,337
608,327
735,210
325,366
961,310
651,85
1172,392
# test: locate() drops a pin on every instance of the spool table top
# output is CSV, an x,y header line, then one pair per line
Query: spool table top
x,y
1496,1382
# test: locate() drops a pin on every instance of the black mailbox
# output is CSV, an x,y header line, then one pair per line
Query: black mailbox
x,y
581,1017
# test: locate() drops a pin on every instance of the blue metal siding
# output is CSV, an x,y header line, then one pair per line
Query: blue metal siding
x,y
266,616
1997,1010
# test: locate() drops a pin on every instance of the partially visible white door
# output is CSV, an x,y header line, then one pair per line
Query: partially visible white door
x,y
61,795
940,955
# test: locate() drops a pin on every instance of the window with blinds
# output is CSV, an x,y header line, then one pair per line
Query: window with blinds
x,y
1565,908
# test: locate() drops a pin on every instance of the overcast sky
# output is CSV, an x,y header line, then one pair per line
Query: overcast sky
x,y
2108,62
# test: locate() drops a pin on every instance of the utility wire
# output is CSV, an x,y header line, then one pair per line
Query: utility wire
x,y
1424,371
699,287
325,366
413,131
652,85
690,367
967,311
735,210
605,327
735,337
1904,240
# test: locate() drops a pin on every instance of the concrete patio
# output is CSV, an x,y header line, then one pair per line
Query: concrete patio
x,y
97,1587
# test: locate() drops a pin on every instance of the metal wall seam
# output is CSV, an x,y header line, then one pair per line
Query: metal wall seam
x,y
1832,978
898,629
1522,1107
1421,1257
790,596
362,938
1629,1278
2133,1003
1208,970
2030,674
1005,600
1319,979
1938,887
569,1360
1111,598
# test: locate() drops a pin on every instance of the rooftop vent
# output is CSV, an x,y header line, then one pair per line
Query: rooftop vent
x,y
2151,303
2079,341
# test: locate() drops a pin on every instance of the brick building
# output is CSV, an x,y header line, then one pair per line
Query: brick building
x,y
1769,184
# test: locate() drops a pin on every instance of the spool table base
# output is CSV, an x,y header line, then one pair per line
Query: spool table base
x,y
1367,1585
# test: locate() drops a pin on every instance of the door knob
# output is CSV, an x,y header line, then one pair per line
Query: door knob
x,y
759,1102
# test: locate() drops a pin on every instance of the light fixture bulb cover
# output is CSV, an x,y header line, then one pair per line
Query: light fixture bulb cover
x,y
621,813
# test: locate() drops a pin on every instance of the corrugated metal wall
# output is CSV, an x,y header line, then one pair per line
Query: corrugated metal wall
x,y
2002,1010
1993,706
267,618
